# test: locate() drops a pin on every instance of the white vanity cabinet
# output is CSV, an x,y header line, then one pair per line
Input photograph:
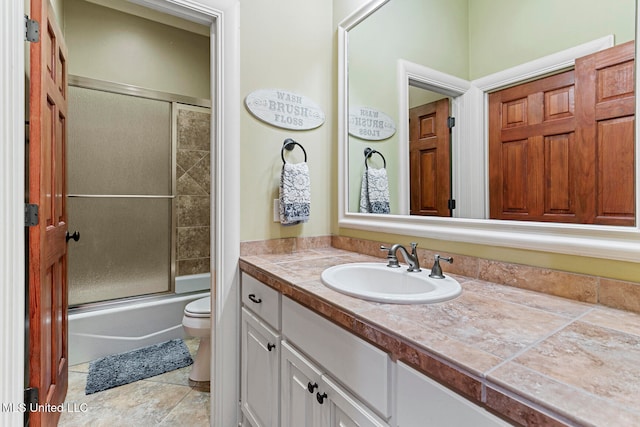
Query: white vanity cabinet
x,y
299,369
423,402
311,394
311,398
300,381
260,354
344,410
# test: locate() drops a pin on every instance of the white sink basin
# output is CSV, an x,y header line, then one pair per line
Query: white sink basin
x,y
376,282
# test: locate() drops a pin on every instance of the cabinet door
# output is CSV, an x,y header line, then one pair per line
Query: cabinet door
x,y
422,402
340,409
260,372
362,368
300,383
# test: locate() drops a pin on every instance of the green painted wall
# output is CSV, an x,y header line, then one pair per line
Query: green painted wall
x,y
287,46
505,33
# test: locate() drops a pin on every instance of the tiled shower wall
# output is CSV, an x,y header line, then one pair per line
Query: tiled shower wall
x,y
193,175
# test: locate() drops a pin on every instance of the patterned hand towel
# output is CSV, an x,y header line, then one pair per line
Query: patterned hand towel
x,y
295,193
374,193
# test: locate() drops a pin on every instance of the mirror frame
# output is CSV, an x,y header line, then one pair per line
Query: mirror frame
x,y
607,242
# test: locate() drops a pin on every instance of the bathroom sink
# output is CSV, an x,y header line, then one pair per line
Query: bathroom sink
x,y
377,282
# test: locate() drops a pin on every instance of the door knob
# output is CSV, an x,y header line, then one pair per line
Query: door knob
x,y
75,236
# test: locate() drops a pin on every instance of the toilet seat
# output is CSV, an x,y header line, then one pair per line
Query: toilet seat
x,y
199,308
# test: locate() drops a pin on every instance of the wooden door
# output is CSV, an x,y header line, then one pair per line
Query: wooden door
x,y
605,108
48,361
561,148
430,159
532,172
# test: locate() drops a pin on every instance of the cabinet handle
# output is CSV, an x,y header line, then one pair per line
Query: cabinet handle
x,y
253,298
320,397
75,236
270,346
311,387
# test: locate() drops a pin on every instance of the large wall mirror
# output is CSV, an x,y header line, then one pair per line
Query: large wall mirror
x,y
420,62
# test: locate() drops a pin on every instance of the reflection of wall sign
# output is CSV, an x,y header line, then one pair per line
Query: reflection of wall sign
x,y
370,124
284,109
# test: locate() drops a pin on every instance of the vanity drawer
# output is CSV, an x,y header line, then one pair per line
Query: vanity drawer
x,y
262,300
364,369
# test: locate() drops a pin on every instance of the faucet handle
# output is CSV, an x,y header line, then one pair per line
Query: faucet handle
x,y
414,245
443,258
436,270
384,248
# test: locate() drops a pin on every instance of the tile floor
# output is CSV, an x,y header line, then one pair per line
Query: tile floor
x,y
163,400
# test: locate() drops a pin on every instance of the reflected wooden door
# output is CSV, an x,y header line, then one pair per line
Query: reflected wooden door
x,y
48,361
605,108
532,151
561,148
430,159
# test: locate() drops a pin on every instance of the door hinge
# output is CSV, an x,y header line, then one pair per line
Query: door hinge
x,y
451,122
31,30
31,397
451,204
30,215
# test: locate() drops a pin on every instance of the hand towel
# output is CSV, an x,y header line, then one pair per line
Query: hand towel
x,y
295,193
374,192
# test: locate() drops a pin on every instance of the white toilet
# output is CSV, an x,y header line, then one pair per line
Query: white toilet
x,y
197,323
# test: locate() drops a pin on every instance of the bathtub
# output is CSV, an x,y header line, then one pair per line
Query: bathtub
x,y
132,324
192,283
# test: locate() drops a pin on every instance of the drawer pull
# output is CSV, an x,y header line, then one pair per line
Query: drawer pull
x,y
270,346
253,298
311,387
320,397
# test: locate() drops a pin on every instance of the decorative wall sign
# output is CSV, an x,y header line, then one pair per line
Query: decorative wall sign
x,y
370,124
284,109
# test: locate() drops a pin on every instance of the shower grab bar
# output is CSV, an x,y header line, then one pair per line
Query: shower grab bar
x,y
122,196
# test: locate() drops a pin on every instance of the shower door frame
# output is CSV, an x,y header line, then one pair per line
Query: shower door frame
x,y
155,95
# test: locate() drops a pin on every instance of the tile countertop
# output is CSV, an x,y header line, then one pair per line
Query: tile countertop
x,y
535,358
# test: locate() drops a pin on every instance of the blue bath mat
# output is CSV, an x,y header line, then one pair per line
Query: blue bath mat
x,y
124,368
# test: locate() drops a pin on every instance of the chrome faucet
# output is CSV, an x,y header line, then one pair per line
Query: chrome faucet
x,y
410,258
436,270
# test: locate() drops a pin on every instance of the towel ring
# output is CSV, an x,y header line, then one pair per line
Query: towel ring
x,y
290,144
368,152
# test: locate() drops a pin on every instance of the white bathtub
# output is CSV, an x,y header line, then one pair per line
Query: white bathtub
x,y
192,283
129,325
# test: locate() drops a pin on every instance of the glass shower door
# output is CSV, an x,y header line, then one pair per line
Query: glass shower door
x,y
120,196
